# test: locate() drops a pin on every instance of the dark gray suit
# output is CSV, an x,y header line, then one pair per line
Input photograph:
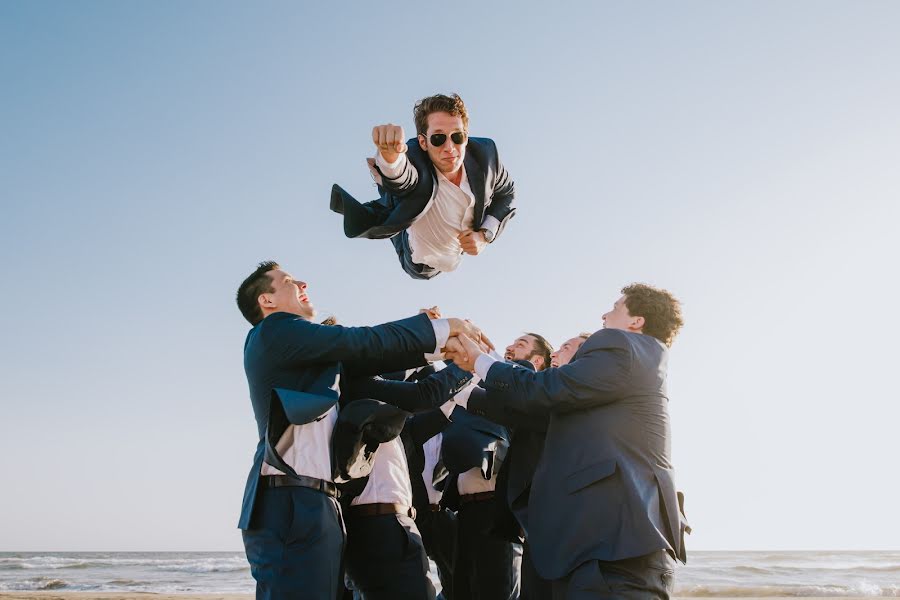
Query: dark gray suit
x,y
604,488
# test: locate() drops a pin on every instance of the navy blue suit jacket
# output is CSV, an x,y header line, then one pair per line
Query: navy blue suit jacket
x,y
606,456
305,361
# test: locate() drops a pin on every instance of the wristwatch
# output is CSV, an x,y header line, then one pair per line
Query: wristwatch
x,y
488,235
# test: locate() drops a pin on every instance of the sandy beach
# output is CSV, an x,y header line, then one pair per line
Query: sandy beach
x,y
145,596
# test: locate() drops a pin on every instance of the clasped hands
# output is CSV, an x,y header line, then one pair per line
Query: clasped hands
x,y
464,350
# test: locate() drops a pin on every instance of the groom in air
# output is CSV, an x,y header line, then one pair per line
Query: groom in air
x,y
443,193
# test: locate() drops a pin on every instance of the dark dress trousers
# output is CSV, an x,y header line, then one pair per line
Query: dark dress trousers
x,y
606,460
385,556
293,536
486,566
405,197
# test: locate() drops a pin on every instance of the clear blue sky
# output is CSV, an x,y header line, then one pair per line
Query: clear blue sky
x,y
742,154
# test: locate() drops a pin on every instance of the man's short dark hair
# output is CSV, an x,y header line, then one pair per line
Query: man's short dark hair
x,y
451,104
259,282
660,309
541,348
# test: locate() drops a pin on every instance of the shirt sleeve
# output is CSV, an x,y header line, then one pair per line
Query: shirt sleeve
x,y
447,407
483,365
441,335
391,170
491,223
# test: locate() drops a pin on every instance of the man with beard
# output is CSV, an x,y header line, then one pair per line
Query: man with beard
x,y
514,480
488,564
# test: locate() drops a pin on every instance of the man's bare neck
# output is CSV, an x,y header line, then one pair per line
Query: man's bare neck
x,y
455,178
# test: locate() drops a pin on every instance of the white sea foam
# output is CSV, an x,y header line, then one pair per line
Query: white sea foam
x,y
734,574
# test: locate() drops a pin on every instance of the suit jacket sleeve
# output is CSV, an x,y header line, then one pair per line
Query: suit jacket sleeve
x,y
504,194
408,178
387,364
504,410
430,392
295,342
599,375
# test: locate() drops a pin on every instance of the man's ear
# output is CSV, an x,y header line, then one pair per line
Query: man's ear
x,y
265,301
637,323
538,361
422,143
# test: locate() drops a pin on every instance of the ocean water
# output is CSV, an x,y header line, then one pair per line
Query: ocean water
x,y
734,574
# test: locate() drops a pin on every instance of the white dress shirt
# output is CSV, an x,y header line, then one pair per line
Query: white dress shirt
x,y
433,236
307,448
389,479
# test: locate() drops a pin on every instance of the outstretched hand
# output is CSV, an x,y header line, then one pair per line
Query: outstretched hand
x,y
389,140
464,326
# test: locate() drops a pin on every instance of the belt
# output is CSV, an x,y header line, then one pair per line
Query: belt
x,y
277,481
477,497
377,509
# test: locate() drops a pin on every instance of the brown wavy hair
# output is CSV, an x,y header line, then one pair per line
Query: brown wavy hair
x,y
660,309
452,104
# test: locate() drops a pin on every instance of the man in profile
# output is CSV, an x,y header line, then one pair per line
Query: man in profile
x,y
443,193
290,519
604,517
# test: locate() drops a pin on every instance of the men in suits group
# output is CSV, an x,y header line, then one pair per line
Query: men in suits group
x,y
442,193
570,455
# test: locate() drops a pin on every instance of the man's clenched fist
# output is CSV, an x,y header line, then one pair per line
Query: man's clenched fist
x,y
389,140
472,242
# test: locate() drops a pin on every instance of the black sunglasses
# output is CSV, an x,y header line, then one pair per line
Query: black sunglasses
x,y
438,139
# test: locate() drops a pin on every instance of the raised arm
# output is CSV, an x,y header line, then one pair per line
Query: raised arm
x,y
429,392
297,342
503,409
398,174
600,374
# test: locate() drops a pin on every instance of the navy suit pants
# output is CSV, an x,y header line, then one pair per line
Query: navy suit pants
x,y
439,536
487,567
404,253
386,560
294,544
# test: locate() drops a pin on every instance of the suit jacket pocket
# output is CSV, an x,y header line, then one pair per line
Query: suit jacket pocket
x,y
590,474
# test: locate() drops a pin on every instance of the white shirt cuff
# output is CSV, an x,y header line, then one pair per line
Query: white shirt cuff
x,y
483,365
490,222
447,408
391,170
441,335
